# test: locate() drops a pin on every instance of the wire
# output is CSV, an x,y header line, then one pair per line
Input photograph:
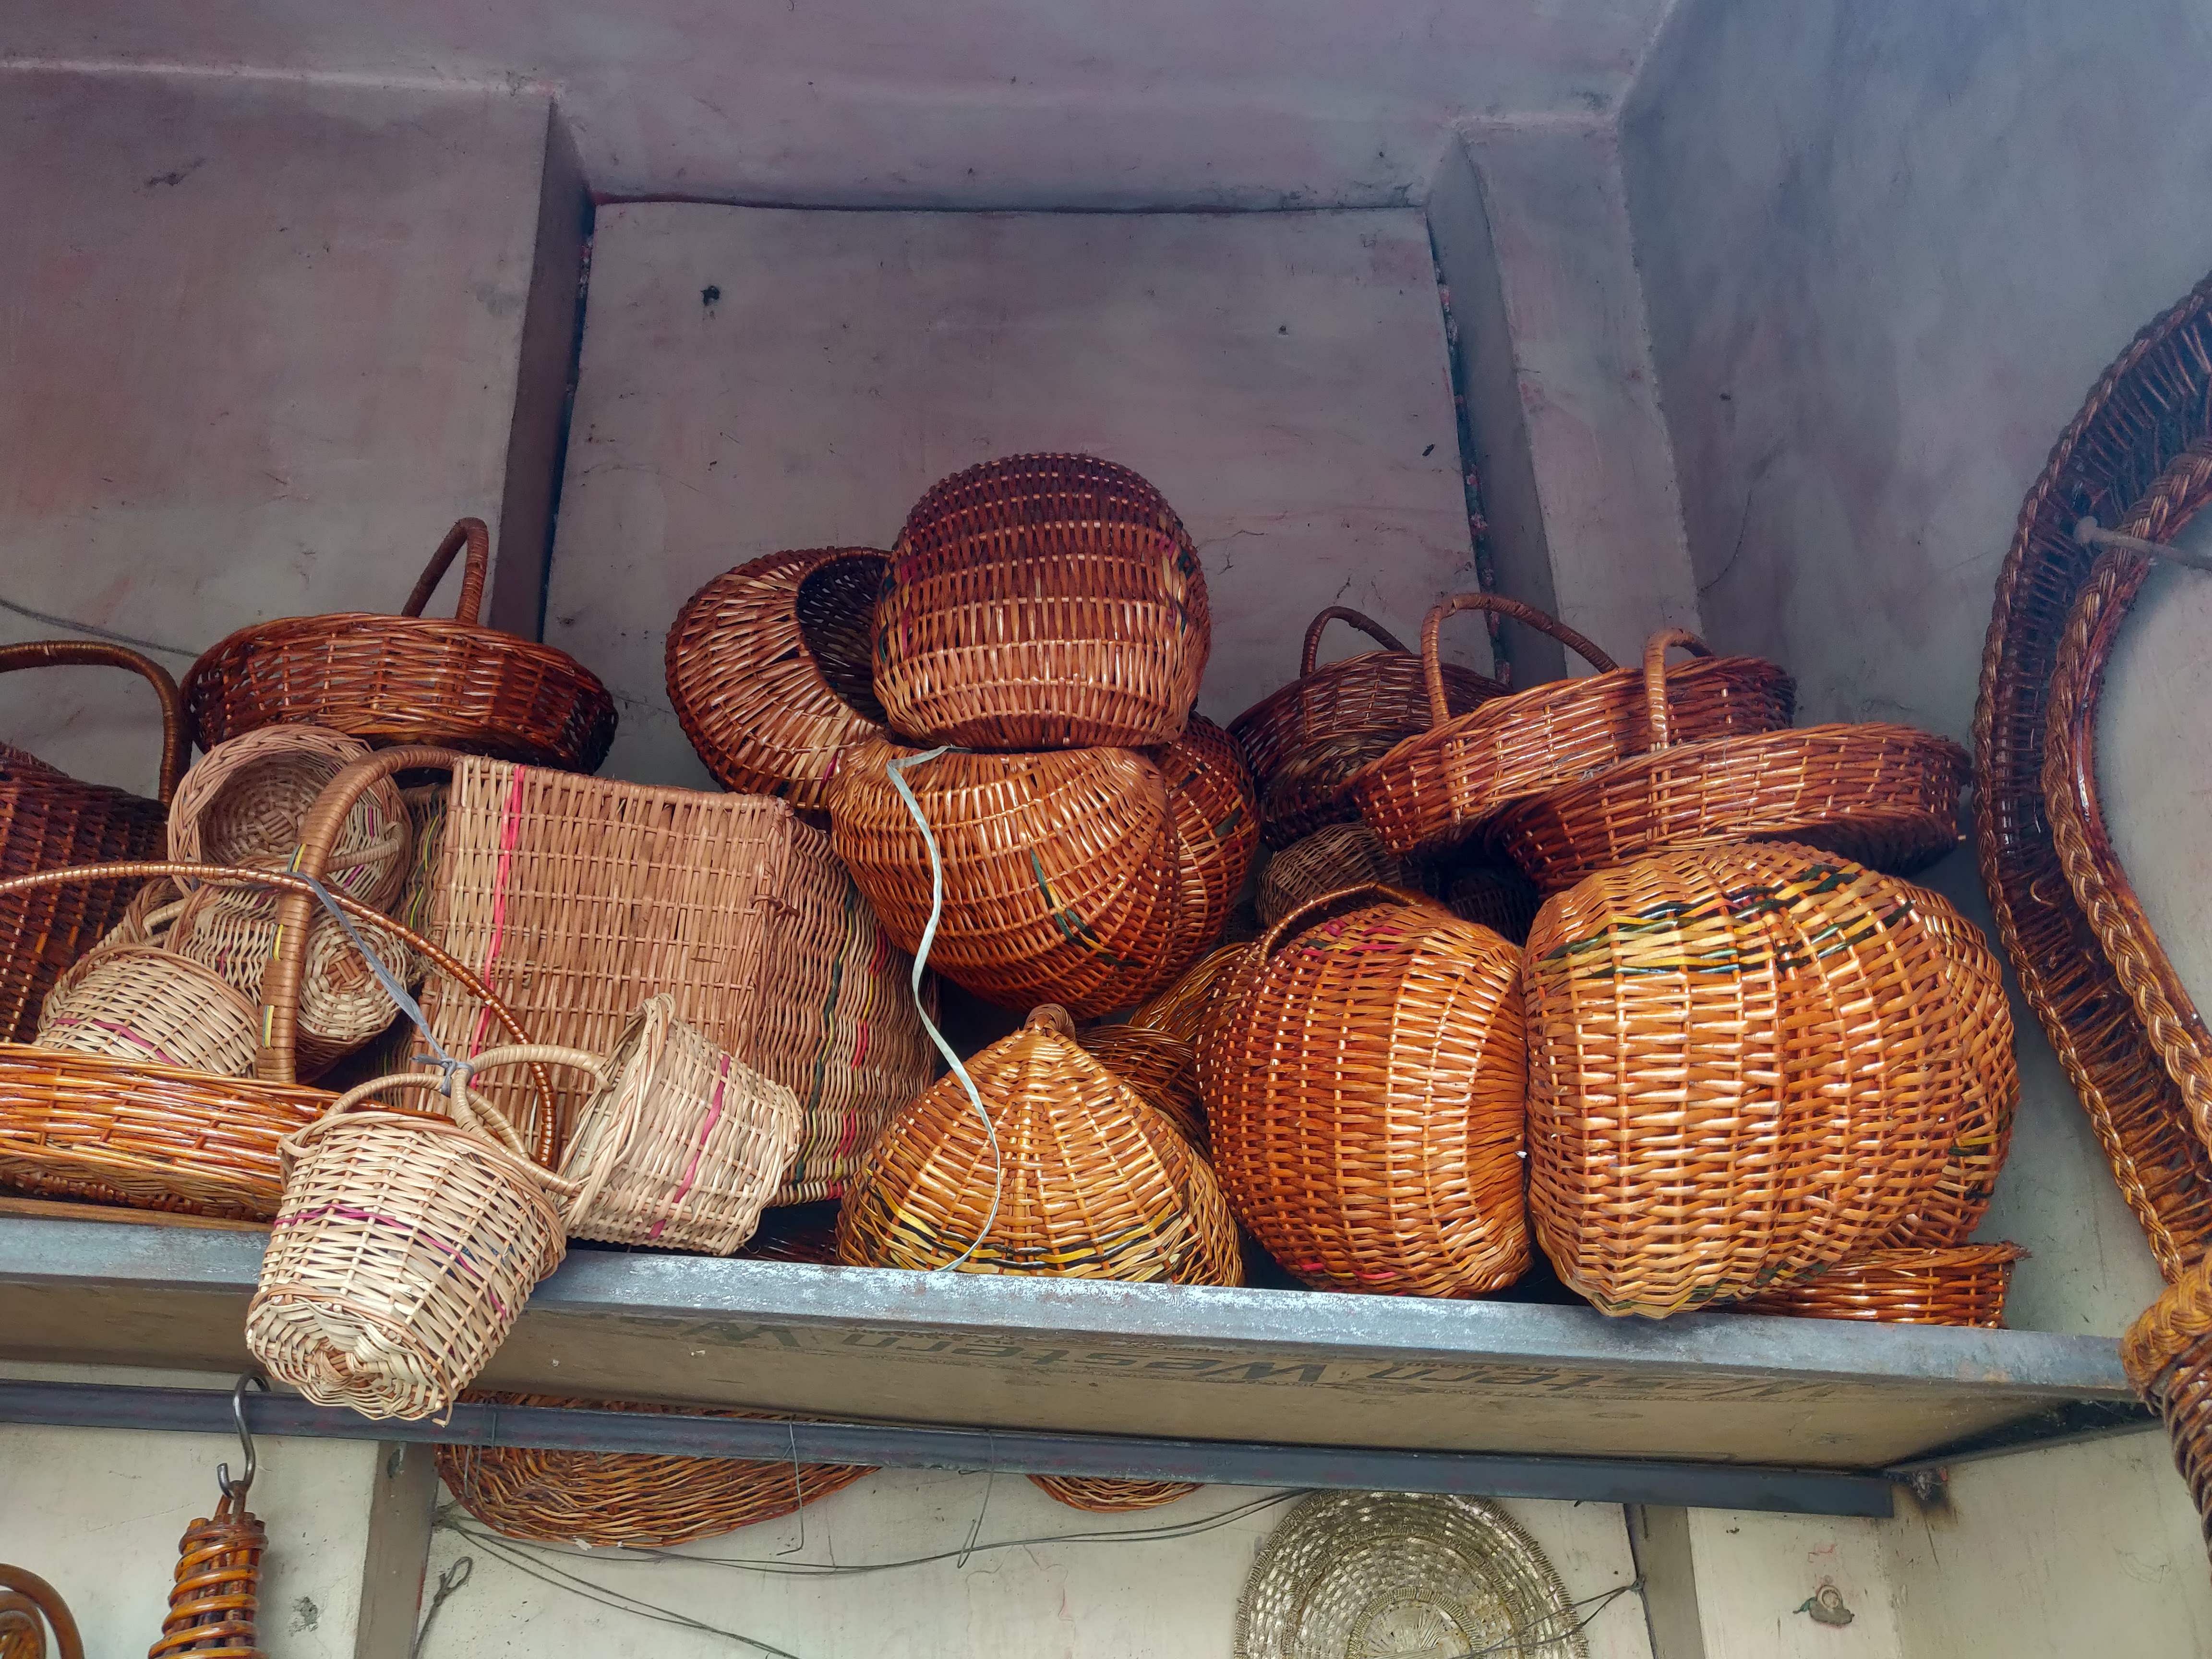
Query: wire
x,y
95,630
1525,1639
453,1578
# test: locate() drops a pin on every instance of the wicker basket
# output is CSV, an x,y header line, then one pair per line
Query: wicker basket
x,y
1745,1063
768,669
1306,740
681,1145
1494,896
1436,790
48,820
1216,818
1076,1177
408,678
1161,1068
2167,1352
1041,602
148,918
1059,876
1181,1010
636,1500
1105,1494
1365,1089
405,1246
243,804
1964,1284
580,898
1328,861
142,1002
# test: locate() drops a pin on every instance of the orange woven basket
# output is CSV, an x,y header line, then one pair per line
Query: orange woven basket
x,y
1964,1284
48,820
1160,1066
633,1499
1436,790
1105,1494
2167,1352
1181,1011
1304,740
1216,818
1745,1063
1365,1087
1332,859
768,669
1060,871
1041,602
407,679
1076,1177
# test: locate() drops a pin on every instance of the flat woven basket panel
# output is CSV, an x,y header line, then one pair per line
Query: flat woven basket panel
x,y
576,899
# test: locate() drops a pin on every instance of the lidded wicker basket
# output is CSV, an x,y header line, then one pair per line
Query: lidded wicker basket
x,y
768,669
1439,789
1041,602
1330,859
1076,1177
407,679
1304,740
1216,818
1160,1066
1962,1284
1059,874
48,820
1365,1082
1745,1063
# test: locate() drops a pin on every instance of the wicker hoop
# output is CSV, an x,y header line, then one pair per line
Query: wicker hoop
x,y
1365,1089
1041,602
1437,789
2167,1354
1087,1181
1181,1010
768,669
1161,1068
1328,861
681,1145
1059,876
49,821
142,1002
1745,1063
29,1604
407,679
1103,1494
1962,1286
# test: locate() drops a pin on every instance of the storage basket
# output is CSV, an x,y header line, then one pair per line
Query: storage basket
x,y
1365,1088
244,803
1077,1176
1745,1063
408,678
1216,818
636,1500
142,1002
1328,861
1105,1494
2167,1354
1059,869
768,669
1436,790
405,1248
147,920
1494,896
578,899
49,820
1041,602
681,1144
1181,1010
1161,1068
1964,1284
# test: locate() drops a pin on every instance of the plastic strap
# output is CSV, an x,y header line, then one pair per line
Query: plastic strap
x,y
399,993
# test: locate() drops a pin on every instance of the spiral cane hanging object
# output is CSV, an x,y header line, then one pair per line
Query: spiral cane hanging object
x,y
215,1606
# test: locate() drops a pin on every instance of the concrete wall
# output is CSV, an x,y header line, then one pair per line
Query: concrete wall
x,y
1887,246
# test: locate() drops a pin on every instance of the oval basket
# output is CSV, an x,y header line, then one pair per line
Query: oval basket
x,y
1964,1284
768,669
1105,1494
1436,790
2167,1354
1745,1063
146,1003
49,820
1087,1181
1041,602
1216,818
407,679
1365,1084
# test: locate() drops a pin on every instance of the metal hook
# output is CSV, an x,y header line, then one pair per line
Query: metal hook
x,y
235,1489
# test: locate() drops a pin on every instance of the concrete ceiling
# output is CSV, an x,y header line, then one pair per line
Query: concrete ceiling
x,y
981,103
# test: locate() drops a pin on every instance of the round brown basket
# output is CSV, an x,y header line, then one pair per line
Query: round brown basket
x,y
1159,1065
1305,739
1076,1177
407,679
1217,832
612,1499
49,820
1745,1063
1365,1083
1963,1284
1041,602
142,1002
1104,1494
2167,1352
1328,860
1059,869
1181,1010
768,669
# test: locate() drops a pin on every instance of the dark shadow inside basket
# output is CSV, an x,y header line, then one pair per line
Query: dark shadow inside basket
x,y
836,607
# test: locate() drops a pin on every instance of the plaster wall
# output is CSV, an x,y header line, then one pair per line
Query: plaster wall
x,y
1887,246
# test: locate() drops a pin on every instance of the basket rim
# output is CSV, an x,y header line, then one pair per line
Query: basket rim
x,y
242,640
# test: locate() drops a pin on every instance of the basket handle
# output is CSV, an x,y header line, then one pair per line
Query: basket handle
x,y
478,540
1367,625
1050,1016
1433,670
1336,903
1658,732
62,653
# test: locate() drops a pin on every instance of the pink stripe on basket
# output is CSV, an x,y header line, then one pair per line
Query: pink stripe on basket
x,y
347,1212
692,1169
123,1031
510,832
